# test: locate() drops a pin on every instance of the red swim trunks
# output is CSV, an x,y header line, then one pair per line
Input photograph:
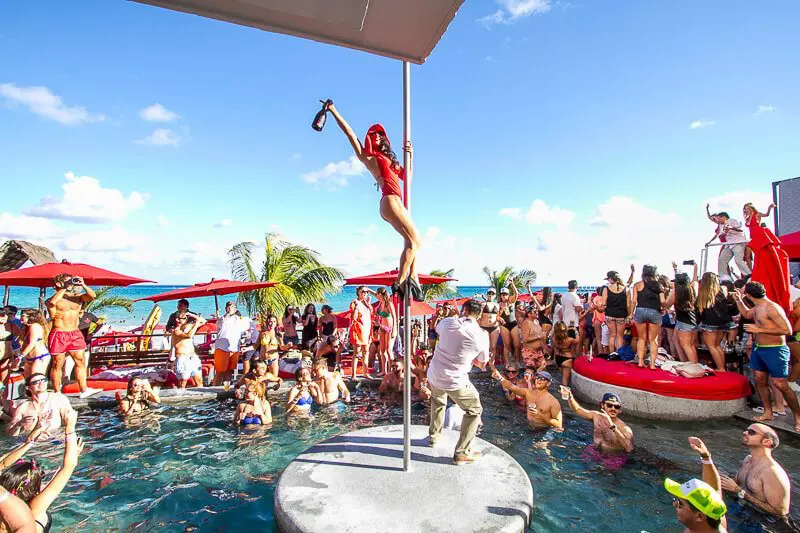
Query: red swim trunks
x,y
65,341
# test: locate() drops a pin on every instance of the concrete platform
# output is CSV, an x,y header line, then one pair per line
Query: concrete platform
x,y
650,405
355,483
784,423
168,396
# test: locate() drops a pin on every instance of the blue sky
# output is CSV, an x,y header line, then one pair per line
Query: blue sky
x,y
559,138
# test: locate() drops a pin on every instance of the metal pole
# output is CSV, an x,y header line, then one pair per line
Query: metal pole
x,y
6,295
406,299
216,303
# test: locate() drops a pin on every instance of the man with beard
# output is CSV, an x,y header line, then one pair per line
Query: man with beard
x,y
543,409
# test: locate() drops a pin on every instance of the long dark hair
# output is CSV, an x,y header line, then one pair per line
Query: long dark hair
x,y
684,293
547,295
385,148
312,312
23,479
650,278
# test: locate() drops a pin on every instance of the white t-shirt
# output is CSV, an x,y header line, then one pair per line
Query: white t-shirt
x,y
569,300
229,332
728,234
461,341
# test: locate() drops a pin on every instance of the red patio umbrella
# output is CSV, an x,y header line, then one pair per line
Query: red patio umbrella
x,y
791,245
387,278
42,275
215,288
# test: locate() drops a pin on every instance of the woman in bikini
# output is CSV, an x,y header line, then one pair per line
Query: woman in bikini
x,y
327,323
139,396
508,321
387,328
302,395
37,357
564,348
533,338
545,308
615,305
376,154
271,344
23,478
488,321
309,319
254,409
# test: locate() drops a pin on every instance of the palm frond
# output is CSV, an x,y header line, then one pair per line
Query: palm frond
x,y
104,299
439,291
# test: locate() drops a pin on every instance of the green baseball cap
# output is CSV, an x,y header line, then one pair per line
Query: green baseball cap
x,y
700,494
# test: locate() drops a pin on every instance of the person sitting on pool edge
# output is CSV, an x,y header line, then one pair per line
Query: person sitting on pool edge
x,y
138,397
543,410
611,435
331,385
303,394
24,478
254,409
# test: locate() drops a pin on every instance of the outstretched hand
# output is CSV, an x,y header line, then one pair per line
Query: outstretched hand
x,y
698,446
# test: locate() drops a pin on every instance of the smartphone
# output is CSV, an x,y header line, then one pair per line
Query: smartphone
x,y
689,262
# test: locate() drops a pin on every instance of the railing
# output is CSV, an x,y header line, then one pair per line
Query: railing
x,y
704,256
98,356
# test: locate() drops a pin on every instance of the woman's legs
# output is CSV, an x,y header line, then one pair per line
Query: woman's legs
x,y
676,350
566,372
614,338
493,336
653,330
506,336
688,343
641,346
712,340
598,335
516,345
393,212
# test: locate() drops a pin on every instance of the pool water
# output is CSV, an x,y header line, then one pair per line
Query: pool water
x,y
187,468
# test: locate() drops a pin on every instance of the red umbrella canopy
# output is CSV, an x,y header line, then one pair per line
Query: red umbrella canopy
x,y
387,278
791,245
215,287
42,275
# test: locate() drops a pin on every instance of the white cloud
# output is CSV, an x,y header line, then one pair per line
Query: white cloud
x,y
369,230
25,227
433,232
512,10
84,200
114,239
158,113
223,223
732,203
697,124
336,174
765,109
539,213
163,221
161,137
295,156
45,103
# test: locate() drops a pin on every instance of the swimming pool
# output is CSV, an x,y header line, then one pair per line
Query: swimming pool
x,y
187,468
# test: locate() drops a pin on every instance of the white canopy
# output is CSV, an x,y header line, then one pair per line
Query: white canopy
x,y
401,29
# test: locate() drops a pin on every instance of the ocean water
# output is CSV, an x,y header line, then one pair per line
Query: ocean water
x,y
24,297
189,468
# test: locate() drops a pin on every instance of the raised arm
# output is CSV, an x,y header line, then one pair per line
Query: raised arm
x,y
17,453
708,213
72,449
512,299
355,142
630,278
580,411
519,391
710,472
743,309
89,295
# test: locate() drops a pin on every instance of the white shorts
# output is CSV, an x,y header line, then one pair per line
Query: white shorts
x,y
187,366
605,334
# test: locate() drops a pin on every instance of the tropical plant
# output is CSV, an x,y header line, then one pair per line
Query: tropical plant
x,y
501,279
439,291
302,277
104,299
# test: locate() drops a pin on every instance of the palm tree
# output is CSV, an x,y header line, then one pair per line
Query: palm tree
x,y
302,277
501,279
439,291
103,300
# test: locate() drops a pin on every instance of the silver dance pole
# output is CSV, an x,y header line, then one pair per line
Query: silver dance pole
x,y
407,298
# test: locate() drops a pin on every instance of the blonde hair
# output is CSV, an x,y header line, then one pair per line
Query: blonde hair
x,y
709,288
560,332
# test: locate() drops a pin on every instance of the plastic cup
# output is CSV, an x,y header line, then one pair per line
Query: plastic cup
x,y
226,385
565,392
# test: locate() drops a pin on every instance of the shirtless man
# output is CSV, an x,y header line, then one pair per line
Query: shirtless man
x,y
393,381
543,409
187,364
611,435
770,355
488,321
761,480
331,350
46,408
65,338
331,384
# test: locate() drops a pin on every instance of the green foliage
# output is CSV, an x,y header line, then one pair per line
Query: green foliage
x,y
302,276
104,300
439,291
501,279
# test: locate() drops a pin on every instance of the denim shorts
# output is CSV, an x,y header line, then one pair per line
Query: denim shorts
x,y
725,327
683,326
644,315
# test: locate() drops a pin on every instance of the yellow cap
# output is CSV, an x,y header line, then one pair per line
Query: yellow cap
x,y
700,494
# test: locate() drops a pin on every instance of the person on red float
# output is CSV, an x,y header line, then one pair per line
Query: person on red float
x,y
376,154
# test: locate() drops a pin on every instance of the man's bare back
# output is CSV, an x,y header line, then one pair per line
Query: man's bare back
x,y
330,386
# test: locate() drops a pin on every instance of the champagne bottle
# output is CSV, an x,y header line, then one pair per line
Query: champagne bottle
x,y
321,116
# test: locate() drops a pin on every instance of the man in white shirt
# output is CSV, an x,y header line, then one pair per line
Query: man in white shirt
x,y
462,344
731,234
571,305
230,328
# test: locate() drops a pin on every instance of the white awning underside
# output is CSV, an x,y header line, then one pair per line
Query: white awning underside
x,y
401,29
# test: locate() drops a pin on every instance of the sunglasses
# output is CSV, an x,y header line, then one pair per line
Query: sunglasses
x,y
541,377
514,372
751,432
616,406
36,382
680,503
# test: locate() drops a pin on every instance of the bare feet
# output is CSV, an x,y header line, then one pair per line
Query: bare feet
x,y
762,418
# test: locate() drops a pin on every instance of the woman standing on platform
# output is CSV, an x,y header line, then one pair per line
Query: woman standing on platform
x,y
376,154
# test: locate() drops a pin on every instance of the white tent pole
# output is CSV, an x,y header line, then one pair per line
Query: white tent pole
x,y
407,348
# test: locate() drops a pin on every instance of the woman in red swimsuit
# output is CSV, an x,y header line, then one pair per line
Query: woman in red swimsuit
x,y
376,154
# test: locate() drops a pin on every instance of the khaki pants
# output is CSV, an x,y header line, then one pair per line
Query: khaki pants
x,y
469,401
735,252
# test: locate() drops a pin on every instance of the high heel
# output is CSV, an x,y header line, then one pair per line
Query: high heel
x,y
415,289
396,289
